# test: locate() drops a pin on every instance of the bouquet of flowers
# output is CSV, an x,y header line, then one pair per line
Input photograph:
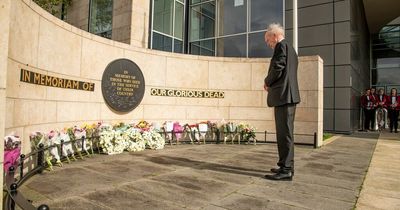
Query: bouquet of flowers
x,y
38,138
121,126
193,132
248,131
107,139
119,142
153,140
178,131
143,125
67,145
134,140
12,150
81,141
53,142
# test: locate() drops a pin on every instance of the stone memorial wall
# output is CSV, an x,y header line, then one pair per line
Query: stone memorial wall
x,y
226,88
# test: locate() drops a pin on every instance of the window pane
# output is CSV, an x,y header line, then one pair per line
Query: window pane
x,y
234,46
178,21
195,48
202,21
163,16
206,47
265,12
100,22
257,46
388,75
232,16
161,42
178,46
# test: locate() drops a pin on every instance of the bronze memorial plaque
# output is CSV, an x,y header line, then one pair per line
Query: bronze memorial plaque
x,y
123,85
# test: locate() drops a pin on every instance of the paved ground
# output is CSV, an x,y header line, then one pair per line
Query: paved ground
x,y
209,177
381,188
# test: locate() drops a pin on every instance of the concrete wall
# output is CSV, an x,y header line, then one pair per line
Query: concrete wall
x,y
4,31
326,28
42,43
78,14
124,15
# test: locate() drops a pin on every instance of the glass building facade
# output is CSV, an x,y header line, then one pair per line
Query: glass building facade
x,y
228,28
386,58
100,17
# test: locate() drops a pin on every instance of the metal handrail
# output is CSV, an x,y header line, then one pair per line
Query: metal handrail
x,y
14,197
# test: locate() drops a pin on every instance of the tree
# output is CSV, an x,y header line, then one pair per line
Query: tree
x,y
57,8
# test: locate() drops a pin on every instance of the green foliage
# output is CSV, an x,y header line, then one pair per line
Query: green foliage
x,y
55,6
327,136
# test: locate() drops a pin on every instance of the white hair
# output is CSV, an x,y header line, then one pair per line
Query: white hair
x,y
276,28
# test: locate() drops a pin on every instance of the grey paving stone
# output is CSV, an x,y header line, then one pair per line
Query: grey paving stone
x,y
76,203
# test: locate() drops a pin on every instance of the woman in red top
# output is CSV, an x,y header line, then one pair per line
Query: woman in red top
x,y
393,104
368,104
381,99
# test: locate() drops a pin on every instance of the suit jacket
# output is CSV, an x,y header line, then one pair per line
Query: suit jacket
x,y
382,101
368,102
281,80
389,102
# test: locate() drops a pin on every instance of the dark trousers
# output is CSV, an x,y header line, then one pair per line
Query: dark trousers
x,y
393,116
284,123
373,119
368,113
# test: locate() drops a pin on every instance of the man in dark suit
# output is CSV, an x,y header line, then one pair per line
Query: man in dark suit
x,y
283,94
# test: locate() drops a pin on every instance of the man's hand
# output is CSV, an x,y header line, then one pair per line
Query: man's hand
x,y
266,88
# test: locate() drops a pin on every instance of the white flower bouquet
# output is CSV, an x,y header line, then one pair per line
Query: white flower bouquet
x,y
153,139
106,140
67,145
134,140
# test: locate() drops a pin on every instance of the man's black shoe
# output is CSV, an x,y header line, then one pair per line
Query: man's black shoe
x,y
276,170
280,176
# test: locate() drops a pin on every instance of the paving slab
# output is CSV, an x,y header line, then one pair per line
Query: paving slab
x,y
381,188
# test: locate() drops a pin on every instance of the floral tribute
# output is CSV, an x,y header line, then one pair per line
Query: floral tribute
x,y
120,137
12,150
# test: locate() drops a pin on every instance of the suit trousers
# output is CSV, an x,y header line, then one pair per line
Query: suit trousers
x,y
368,118
284,123
393,116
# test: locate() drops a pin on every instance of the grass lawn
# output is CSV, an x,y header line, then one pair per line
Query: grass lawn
x,y
327,136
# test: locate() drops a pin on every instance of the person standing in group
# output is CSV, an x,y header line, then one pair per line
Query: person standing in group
x,y
381,99
283,94
368,104
374,96
393,104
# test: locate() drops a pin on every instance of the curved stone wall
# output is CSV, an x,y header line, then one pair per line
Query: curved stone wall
x,y
42,43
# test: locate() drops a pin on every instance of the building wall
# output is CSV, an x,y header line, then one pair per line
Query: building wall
x,y
327,28
360,56
51,46
4,31
78,16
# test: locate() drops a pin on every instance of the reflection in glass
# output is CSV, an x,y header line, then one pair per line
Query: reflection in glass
x,y
234,46
386,56
265,12
202,21
178,29
161,42
232,17
206,47
100,20
163,16
178,46
257,46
